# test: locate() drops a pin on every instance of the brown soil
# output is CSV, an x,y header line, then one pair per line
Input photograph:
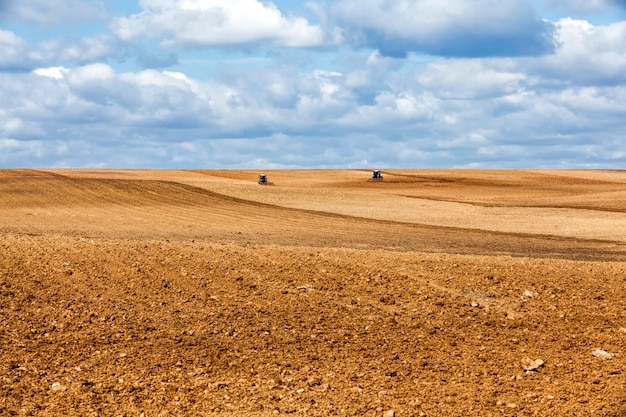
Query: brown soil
x,y
130,292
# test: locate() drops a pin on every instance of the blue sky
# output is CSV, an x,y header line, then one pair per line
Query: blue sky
x,y
313,84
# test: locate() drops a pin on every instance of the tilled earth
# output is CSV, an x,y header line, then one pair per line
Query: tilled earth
x,y
202,293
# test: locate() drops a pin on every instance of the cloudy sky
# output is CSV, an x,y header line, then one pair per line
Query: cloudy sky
x,y
313,84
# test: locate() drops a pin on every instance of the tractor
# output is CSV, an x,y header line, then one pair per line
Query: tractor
x,y
376,176
263,180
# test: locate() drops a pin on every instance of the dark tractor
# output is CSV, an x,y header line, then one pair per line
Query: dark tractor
x,y
263,180
376,176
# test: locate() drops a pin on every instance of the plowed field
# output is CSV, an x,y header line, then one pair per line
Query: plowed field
x,y
432,293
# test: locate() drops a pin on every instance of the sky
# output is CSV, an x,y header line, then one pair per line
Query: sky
x,y
260,84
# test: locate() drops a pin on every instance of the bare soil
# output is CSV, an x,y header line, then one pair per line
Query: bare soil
x,y
432,293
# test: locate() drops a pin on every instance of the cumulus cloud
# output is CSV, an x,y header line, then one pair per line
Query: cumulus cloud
x,y
462,28
365,108
587,54
210,23
93,106
15,54
18,55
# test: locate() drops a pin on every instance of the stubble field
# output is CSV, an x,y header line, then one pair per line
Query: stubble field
x,y
432,293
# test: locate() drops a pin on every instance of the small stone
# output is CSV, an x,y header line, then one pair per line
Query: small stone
x,y
389,413
57,387
511,405
528,294
622,329
530,365
474,304
599,353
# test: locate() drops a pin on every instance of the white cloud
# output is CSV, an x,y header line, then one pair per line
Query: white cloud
x,y
13,151
453,27
471,78
587,54
88,73
52,72
15,54
208,23
503,112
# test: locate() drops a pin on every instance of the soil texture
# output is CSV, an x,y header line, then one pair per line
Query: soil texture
x,y
201,293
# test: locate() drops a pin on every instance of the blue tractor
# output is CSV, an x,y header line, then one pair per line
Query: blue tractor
x,y
263,180
376,176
